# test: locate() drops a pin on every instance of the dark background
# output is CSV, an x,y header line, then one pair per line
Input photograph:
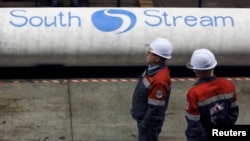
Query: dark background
x,y
55,72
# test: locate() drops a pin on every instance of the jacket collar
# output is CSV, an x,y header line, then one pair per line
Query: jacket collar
x,y
153,70
207,79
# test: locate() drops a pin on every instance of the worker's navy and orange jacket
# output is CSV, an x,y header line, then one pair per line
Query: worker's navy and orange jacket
x,y
210,102
150,98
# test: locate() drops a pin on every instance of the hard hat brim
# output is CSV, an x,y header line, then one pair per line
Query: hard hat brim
x,y
190,66
166,57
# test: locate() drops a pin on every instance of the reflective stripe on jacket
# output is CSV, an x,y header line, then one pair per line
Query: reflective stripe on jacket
x,y
150,97
212,101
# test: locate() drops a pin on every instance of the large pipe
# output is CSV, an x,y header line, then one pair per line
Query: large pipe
x,y
116,36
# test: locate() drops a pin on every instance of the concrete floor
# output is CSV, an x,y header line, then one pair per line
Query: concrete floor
x,y
89,109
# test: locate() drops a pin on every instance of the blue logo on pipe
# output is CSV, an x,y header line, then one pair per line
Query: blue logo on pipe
x,y
114,20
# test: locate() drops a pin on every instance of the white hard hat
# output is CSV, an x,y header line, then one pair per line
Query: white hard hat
x,y
161,47
202,59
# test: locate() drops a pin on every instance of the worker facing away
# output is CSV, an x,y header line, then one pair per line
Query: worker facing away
x,y
211,101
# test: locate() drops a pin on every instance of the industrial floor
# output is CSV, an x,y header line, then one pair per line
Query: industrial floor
x,y
90,109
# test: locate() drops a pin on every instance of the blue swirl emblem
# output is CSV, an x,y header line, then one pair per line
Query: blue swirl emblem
x,y
114,20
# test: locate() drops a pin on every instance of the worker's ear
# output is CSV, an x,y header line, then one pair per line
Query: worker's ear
x,y
157,58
